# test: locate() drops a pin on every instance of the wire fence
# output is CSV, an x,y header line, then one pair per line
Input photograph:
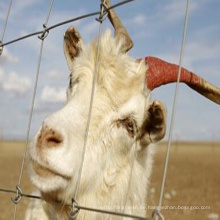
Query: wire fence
x,y
42,34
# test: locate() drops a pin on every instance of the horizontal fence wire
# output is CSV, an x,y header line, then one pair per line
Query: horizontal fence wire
x,y
43,34
22,194
42,37
78,206
4,28
47,29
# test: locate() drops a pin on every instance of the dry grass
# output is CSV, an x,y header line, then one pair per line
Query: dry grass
x,y
10,163
193,173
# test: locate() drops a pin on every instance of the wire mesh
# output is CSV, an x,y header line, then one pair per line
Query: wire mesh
x,y
42,35
174,105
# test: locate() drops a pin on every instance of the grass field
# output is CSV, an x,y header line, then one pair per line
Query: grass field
x,y
193,181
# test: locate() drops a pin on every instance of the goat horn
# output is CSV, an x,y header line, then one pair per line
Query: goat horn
x,y
160,73
120,30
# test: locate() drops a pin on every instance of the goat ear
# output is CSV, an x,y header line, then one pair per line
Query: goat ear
x,y
72,45
154,126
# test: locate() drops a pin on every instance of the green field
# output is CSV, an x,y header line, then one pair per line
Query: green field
x,y
192,188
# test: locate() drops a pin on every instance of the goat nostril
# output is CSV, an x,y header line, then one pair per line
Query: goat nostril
x,y
55,140
52,138
49,138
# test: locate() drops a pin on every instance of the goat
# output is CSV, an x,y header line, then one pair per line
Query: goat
x,y
124,124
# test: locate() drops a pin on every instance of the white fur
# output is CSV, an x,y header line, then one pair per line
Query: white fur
x,y
119,92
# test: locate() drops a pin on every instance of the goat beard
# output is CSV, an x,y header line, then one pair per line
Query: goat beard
x,y
60,207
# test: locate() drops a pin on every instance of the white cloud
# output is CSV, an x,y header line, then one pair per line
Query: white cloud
x,y
89,30
172,12
1,76
140,19
7,57
22,6
14,84
195,52
3,8
202,51
166,14
58,16
55,74
53,95
210,72
176,10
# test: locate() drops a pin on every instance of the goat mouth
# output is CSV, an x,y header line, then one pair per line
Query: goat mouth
x,y
47,172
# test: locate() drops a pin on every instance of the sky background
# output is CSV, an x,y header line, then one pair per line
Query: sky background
x,y
156,28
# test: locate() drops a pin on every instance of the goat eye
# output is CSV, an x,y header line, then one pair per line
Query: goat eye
x,y
72,83
129,124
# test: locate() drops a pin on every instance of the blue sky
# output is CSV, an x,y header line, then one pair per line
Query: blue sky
x,y
156,28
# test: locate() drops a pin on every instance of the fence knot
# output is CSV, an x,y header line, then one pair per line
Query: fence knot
x,y
45,33
74,210
18,197
103,12
1,47
156,215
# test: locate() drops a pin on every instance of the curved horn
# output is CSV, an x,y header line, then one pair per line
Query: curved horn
x,y
160,73
120,30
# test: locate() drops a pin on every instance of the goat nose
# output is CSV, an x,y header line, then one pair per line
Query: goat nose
x,y
49,138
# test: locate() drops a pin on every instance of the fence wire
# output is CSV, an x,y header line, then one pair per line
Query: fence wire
x,y
6,20
174,106
101,17
47,29
4,28
42,35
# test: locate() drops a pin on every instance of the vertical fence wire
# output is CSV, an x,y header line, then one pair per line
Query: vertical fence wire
x,y
89,114
6,20
174,105
32,106
134,154
42,37
91,103
135,147
5,26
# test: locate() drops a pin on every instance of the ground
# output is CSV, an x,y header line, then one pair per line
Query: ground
x,y
193,181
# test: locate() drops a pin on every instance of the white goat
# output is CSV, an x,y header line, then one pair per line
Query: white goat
x,y
123,123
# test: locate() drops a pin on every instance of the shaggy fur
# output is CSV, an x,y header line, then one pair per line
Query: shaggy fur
x,y
119,131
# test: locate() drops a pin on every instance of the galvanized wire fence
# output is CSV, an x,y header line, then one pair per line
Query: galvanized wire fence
x,y
42,34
